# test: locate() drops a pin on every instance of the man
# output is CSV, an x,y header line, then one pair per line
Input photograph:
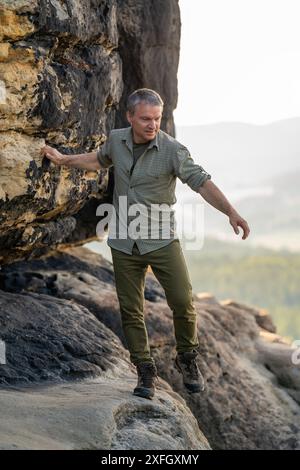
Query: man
x,y
147,162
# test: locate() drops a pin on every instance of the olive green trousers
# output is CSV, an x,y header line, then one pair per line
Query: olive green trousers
x,y
169,267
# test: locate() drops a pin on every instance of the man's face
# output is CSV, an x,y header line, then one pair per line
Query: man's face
x,y
145,121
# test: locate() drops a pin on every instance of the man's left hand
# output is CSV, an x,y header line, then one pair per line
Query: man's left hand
x,y
236,221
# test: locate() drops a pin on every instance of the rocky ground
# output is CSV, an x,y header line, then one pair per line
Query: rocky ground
x,y
61,324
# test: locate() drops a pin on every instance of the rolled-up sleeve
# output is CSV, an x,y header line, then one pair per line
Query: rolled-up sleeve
x,y
104,154
188,171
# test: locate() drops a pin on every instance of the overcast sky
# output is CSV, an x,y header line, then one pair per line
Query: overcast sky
x,y
239,61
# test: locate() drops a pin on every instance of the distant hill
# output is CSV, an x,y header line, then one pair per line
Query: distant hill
x,y
258,169
239,154
274,217
257,276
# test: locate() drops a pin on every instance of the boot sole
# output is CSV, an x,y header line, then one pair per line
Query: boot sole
x,y
141,392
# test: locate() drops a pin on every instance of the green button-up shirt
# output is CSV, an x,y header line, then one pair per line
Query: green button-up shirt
x,y
151,181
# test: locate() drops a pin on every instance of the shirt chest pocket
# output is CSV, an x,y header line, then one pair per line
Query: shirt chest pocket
x,y
157,171
157,188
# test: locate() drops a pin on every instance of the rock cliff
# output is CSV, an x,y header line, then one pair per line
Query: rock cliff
x,y
65,71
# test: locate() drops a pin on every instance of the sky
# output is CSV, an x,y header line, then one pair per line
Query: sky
x,y
239,61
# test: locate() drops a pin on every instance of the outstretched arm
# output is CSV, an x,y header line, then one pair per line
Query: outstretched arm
x,y
86,161
212,194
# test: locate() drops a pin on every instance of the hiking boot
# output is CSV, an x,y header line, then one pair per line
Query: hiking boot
x,y
147,376
186,364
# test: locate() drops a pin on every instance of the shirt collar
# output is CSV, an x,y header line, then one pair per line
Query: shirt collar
x,y
129,141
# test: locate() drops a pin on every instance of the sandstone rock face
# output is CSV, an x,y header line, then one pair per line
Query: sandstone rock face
x,y
252,397
65,71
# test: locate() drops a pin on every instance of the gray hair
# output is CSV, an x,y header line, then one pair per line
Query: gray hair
x,y
143,95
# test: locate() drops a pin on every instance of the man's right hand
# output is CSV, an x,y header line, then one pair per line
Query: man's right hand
x,y
54,155
84,161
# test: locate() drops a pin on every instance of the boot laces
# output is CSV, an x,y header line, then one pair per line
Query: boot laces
x,y
192,368
147,372
189,360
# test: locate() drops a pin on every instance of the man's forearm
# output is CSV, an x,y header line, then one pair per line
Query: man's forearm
x,y
212,194
86,161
